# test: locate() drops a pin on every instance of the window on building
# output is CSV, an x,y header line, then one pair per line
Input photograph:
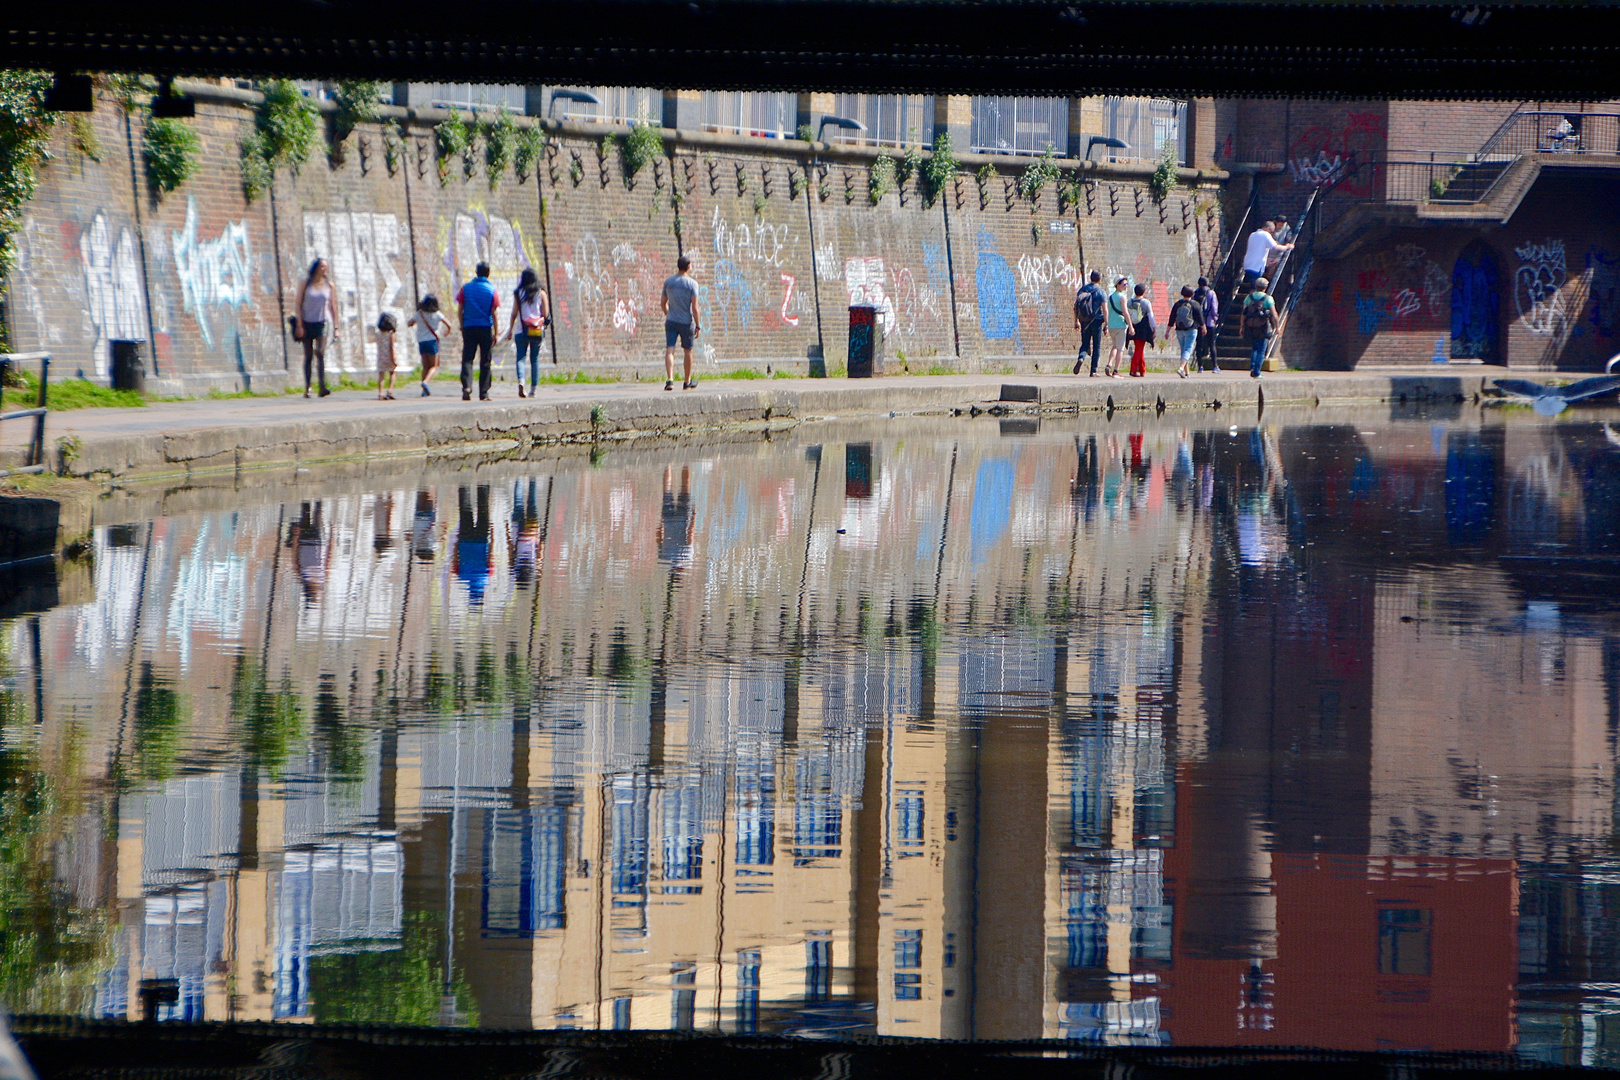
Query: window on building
x,y
1019,125
908,818
1404,940
750,112
683,1002
508,96
890,119
818,969
615,104
748,990
621,1014
1145,124
908,948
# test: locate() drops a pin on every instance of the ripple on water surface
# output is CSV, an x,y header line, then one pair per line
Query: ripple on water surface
x,y
1137,732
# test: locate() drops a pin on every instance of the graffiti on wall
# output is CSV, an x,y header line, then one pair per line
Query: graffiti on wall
x,y
606,293
1325,153
1475,305
1400,287
867,280
215,273
997,292
363,251
115,300
1538,285
1603,274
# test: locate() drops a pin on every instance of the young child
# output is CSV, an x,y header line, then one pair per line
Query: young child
x,y
430,329
386,325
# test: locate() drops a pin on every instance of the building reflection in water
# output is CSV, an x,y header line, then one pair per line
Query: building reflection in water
x,y
1291,734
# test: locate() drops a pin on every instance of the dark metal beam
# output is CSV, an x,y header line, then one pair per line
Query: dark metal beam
x,y
1171,47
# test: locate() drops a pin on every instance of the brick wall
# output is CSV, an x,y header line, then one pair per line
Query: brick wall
x,y
958,284
1548,284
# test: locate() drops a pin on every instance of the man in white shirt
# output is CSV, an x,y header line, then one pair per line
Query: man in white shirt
x,y
1262,243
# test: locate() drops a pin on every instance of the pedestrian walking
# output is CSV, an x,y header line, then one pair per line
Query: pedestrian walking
x,y
1089,310
478,302
1259,324
431,327
315,312
1119,328
1143,329
1262,242
532,308
1211,330
1187,318
681,321
386,327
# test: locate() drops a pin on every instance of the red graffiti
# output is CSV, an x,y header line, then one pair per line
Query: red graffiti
x,y
1372,279
1324,154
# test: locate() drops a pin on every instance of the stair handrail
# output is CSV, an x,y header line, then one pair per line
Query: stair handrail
x,y
1237,237
1501,131
36,447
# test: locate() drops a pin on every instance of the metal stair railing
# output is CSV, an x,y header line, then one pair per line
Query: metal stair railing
x,y
36,449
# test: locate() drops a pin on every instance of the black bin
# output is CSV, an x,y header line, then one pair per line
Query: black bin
x,y
128,369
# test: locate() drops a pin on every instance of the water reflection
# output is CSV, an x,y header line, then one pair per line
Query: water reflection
x,y
1137,732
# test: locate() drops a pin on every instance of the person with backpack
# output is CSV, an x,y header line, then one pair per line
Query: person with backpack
x,y
1212,324
1143,329
1089,303
1187,317
531,308
1259,324
1119,329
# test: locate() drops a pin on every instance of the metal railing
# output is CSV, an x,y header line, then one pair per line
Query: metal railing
x,y
1536,132
36,449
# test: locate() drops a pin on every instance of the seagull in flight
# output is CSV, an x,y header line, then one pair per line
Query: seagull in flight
x,y
1552,400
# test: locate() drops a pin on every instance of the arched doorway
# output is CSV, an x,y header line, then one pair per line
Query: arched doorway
x,y
1476,306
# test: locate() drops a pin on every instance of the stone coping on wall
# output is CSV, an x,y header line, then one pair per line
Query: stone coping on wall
x,y
710,140
177,439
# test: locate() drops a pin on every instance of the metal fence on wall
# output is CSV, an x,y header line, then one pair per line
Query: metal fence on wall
x,y
890,119
1019,125
750,112
1145,125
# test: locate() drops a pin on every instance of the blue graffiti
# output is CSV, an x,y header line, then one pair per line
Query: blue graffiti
x,y
733,296
934,262
1603,268
1372,312
998,297
1475,306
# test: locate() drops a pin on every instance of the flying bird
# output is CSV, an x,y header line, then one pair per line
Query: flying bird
x,y
1552,400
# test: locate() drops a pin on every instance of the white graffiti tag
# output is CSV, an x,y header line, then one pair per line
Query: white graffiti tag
x,y
866,279
1323,170
214,273
112,285
1538,285
362,250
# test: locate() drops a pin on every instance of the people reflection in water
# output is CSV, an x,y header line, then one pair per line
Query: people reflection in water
x,y
527,533
675,524
472,541
1086,485
309,543
382,524
423,541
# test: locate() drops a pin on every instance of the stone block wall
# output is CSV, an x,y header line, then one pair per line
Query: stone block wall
x,y
782,243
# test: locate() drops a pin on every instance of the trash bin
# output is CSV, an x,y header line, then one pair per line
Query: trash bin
x,y
865,342
128,368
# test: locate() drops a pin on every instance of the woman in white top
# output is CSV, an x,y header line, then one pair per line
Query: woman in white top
x,y
430,330
533,308
317,305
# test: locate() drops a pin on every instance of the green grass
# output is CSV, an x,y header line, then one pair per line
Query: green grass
x,y
743,373
784,375
569,378
939,369
66,394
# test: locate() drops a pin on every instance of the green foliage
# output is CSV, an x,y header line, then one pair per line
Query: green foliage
x,y
743,373
23,393
450,138
640,148
1070,193
160,713
500,147
127,90
25,130
284,134
797,182
910,165
398,986
1164,174
569,378
805,133
576,171
272,720
393,148
528,151
85,140
881,181
358,102
171,151
759,205
1437,187
1038,173
940,169
986,173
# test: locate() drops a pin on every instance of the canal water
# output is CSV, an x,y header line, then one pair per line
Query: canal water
x,y
1141,731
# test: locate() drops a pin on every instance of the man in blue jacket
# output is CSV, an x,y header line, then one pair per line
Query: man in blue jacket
x,y
478,302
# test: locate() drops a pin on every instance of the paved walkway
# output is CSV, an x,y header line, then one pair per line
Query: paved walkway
x,y
177,436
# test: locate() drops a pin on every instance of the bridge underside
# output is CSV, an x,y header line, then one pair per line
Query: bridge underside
x,y
1171,47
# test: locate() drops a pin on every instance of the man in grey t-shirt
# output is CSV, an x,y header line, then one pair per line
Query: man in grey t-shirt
x,y
680,304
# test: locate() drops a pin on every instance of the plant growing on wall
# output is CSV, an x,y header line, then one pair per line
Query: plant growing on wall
x,y
500,147
171,151
640,148
881,182
126,90
797,182
1164,174
910,165
1038,173
450,138
84,136
986,173
393,148
527,151
940,169
284,133
25,128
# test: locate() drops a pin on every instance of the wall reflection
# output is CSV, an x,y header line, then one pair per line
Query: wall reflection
x,y
1289,734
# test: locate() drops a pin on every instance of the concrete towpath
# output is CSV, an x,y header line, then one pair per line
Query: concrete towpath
x,y
175,438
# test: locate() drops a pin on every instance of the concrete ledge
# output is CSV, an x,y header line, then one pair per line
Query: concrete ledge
x,y
185,438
